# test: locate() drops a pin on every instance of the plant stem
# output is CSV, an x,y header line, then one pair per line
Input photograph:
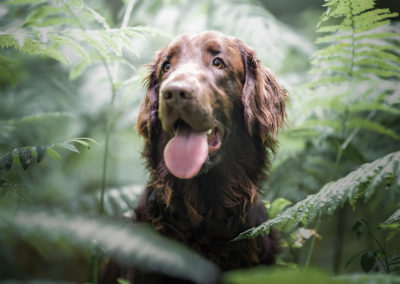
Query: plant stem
x,y
110,114
387,268
312,245
107,139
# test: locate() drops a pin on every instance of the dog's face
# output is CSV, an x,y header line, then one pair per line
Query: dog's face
x,y
200,90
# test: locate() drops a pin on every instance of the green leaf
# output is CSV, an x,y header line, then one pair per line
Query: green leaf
x,y
53,153
132,244
41,152
368,261
359,183
69,147
25,157
278,206
77,70
395,217
6,161
372,126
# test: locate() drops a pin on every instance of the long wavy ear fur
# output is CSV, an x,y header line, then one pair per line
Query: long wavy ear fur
x,y
263,98
148,114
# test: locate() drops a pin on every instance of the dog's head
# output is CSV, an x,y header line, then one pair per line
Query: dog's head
x,y
203,92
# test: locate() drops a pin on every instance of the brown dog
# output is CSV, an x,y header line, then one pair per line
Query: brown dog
x,y
209,118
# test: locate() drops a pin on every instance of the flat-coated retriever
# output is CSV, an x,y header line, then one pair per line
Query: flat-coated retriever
x,y
209,119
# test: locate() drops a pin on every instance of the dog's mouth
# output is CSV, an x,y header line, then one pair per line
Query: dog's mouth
x,y
189,149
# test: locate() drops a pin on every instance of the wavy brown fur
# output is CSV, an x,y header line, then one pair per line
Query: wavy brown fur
x,y
209,210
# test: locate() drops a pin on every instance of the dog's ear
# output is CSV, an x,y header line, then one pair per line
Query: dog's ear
x,y
262,97
148,116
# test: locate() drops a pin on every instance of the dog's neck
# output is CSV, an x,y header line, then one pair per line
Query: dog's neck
x,y
226,190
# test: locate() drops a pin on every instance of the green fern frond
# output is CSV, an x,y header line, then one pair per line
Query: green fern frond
x,y
394,218
64,40
361,41
39,117
133,244
7,70
372,126
22,2
25,155
69,22
362,182
117,202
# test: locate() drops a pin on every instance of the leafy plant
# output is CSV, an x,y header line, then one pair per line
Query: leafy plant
x,y
353,93
262,275
361,183
132,244
377,258
26,155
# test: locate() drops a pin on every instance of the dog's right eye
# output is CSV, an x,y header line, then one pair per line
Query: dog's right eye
x,y
165,67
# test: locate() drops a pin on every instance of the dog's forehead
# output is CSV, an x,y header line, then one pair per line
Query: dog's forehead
x,y
193,45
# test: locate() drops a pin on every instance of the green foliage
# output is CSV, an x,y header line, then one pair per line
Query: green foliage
x,y
395,217
69,32
26,155
132,244
358,48
263,275
361,183
377,258
117,202
347,116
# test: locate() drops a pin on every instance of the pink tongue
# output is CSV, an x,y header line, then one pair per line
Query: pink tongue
x,y
186,153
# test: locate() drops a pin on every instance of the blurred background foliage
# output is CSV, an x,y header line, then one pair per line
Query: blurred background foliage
x,y
71,83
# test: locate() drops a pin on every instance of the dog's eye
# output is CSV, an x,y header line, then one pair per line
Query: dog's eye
x,y
218,63
165,67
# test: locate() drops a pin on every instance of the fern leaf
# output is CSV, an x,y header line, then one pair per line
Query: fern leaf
x,y
6,161
95,15
361,106
376,71
41,152
69,147
111,42
334,80
333,38
8,40
63,40
39,16
21,2
378,54
117,202
359,183
78,69
54,154
7,70
394,218
372,126
39,117
90,37
132,244
24,155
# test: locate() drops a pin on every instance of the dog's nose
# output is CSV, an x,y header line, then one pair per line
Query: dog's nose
x,y
177,93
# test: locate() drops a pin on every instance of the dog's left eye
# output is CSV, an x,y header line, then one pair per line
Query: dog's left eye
x,y
165,67
218,63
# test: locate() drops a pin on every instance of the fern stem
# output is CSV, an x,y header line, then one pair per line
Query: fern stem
x,y
386,265
107,138
312,245
128,13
